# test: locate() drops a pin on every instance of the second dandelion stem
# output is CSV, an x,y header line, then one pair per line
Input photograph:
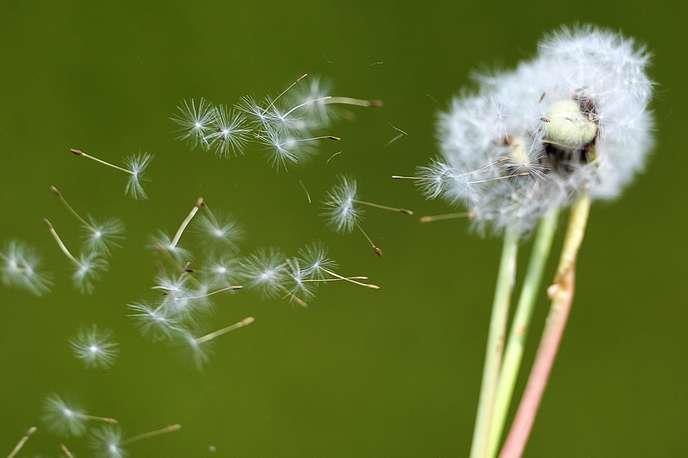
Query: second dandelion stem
x,y
495,342
519,328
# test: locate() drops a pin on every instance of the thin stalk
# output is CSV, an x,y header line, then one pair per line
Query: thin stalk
x,y
561,292
186,222
384,207
66,451
217,291
69,208
17,448
349,279
325,280
375,248
78,152
444,217
157,432
333,100
294,83
321,137
225,330
112,421
495,342
60,243
513,354
294,297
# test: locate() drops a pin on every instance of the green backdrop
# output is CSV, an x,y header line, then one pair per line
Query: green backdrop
x,y
389,373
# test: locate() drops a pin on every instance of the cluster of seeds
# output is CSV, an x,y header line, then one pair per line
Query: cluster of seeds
x,y
290,126
200,262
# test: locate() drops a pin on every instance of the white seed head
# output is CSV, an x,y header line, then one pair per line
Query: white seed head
x,y
219,229
88,271
228,133
62,418
341,210
315,261
153,320
21,268
266,271
138,166
573,119
94,347
196,119
107,442
102,236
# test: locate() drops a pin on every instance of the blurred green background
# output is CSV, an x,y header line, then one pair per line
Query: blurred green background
x,y
392,373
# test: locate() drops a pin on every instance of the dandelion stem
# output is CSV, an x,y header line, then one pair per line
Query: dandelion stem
x,y
78,152
561,292
60,243
513,354
332,100
186,222
225,330
66,451
349,279
444,217
17,448
375,248
157,432
293,296
217,291
325,280
321,137
101,419
495,342
307,102
384,207
68,206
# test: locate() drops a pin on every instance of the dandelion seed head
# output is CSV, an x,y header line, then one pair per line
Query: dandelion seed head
x,y
315,261
265,270
138,165
153,320
228,132
62,418
573,119
161,242
94,347
341,210
195,119
102,236
90,267
107,442
219,229
21,268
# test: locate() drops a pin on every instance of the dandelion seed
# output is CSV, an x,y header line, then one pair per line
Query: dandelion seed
x,y
445,216
196,119
67,453
219,229
99,236
300,290
67,420
266,271
318,266
186,222
153,320
397,137
108,441
87,268
17,448
136,167
94,347
222,271
21,268
287,148
228,132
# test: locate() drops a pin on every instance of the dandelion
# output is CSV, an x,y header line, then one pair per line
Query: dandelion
x,y
289,147
229,133
94,347
566,127
87,268
108,441
343,213
198,345
219,229
195,119
21,268
222,271
164,243
67,420
154,320
17,448
266,270
320,268
135,167
99,236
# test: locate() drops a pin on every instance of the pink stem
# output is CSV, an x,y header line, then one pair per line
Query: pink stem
x,y
562,298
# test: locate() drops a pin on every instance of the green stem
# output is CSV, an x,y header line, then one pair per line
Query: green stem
x,y
495,342
513,354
